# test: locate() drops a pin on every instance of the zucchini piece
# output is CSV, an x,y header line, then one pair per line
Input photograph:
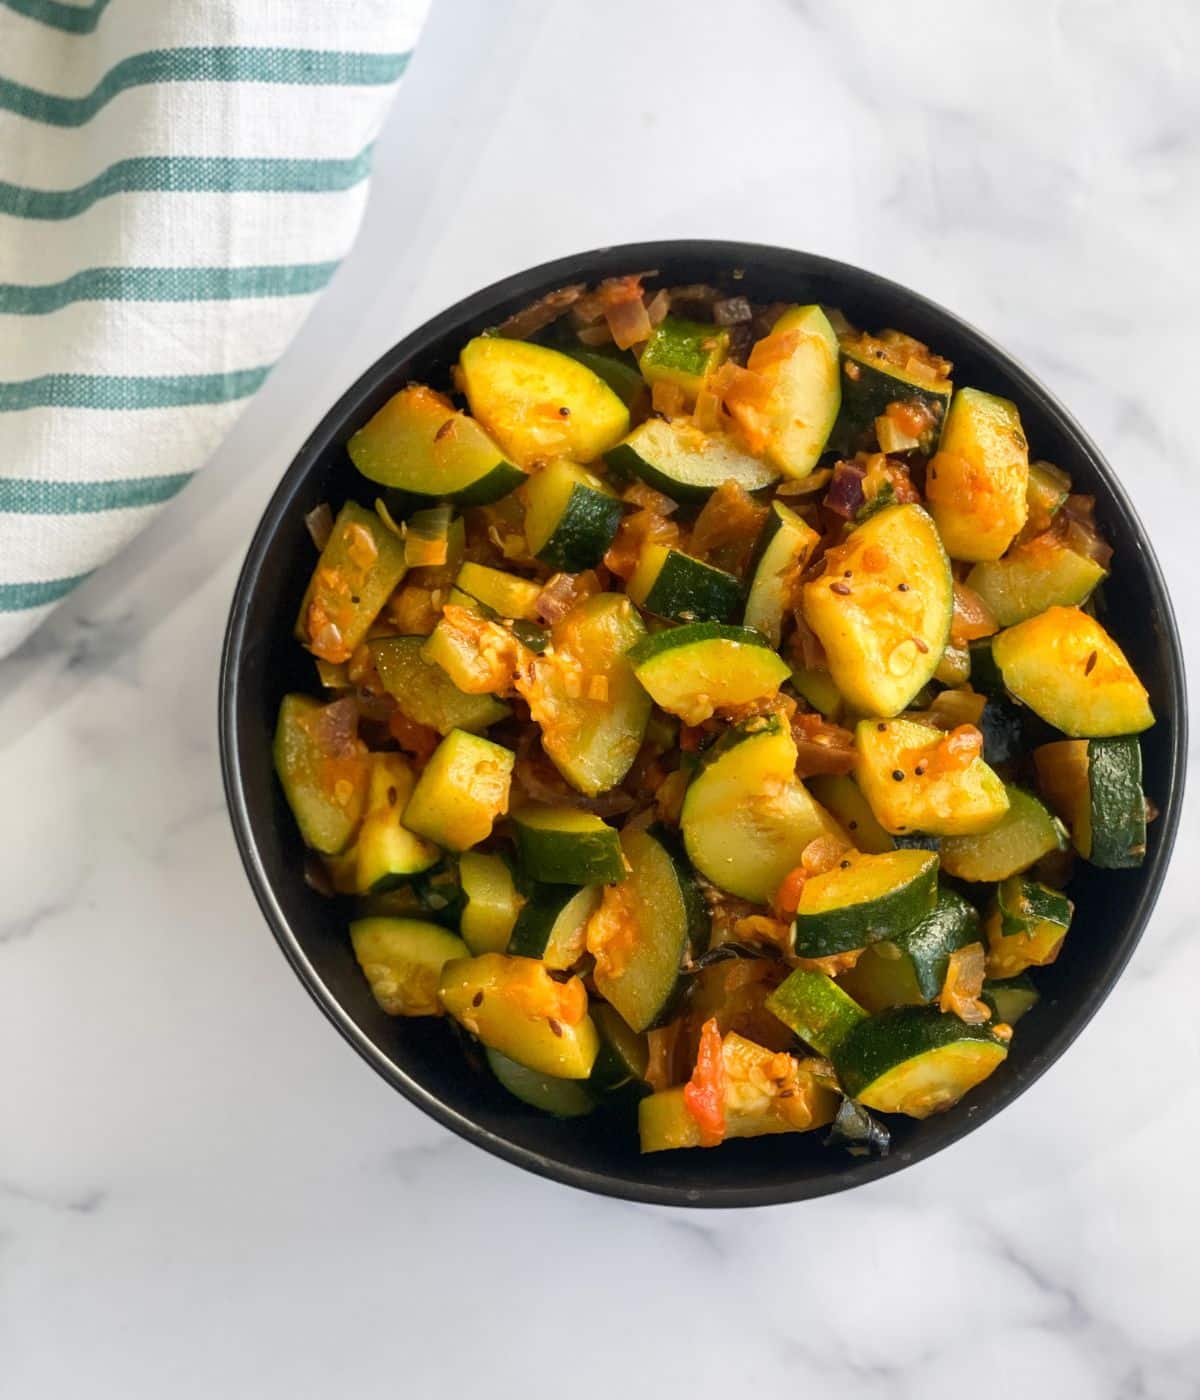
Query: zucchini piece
x,y
361,564
553,923
539,403
842,796
402,959
515,1006
571,517
326,791
462,790
1026,926
1025,833
977,481
1039,574
799,362
882,609
1049,486
759,1100
562,1098
477,651
388,854
624,1055
875,374
562,845
492,901
428,536
784,546
420,443
441,894
683,353
424,692
820,690
698,668
672,584
591,741
648,928
617,368
916,1061
1071,673
502,594
331,676
862,899
746,818
684,463
909,969
1010,998
1095,786
901,775
816,1009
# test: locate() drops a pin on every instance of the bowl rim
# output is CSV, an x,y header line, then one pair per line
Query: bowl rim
x,y
598,262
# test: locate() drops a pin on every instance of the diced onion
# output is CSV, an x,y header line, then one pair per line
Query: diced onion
x,y
319,523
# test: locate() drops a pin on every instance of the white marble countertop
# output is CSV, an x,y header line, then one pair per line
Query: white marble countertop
x,y
203,1191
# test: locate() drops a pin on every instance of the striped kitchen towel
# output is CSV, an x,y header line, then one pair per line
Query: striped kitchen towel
x,y
178,181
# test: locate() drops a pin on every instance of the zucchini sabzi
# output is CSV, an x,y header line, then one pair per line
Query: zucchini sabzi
x,y
708,717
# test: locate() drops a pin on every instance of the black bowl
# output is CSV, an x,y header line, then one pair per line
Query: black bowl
x,y
262,661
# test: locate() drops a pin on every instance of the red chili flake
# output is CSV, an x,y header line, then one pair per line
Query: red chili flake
x,y
922,647
1091,662
555,1027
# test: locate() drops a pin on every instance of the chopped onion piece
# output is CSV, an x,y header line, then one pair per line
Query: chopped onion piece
x,y
319,523
732,311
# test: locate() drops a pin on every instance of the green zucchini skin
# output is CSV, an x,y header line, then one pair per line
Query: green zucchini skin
x,y
425,693
783,546
684,353
1010,998
839,930
887,1040
584,534
1027,832
687,590
867,389
662,457
816,1009
951,924
648,992
617,368
1024,904
691,634
551,852
620,1069
561,1098
910,968
540,923
570,520
1118,803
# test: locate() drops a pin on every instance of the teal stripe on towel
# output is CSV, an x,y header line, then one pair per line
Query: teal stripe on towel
x,y
307,67
26,496
75,19
115,391
166,284
20,597
189,175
